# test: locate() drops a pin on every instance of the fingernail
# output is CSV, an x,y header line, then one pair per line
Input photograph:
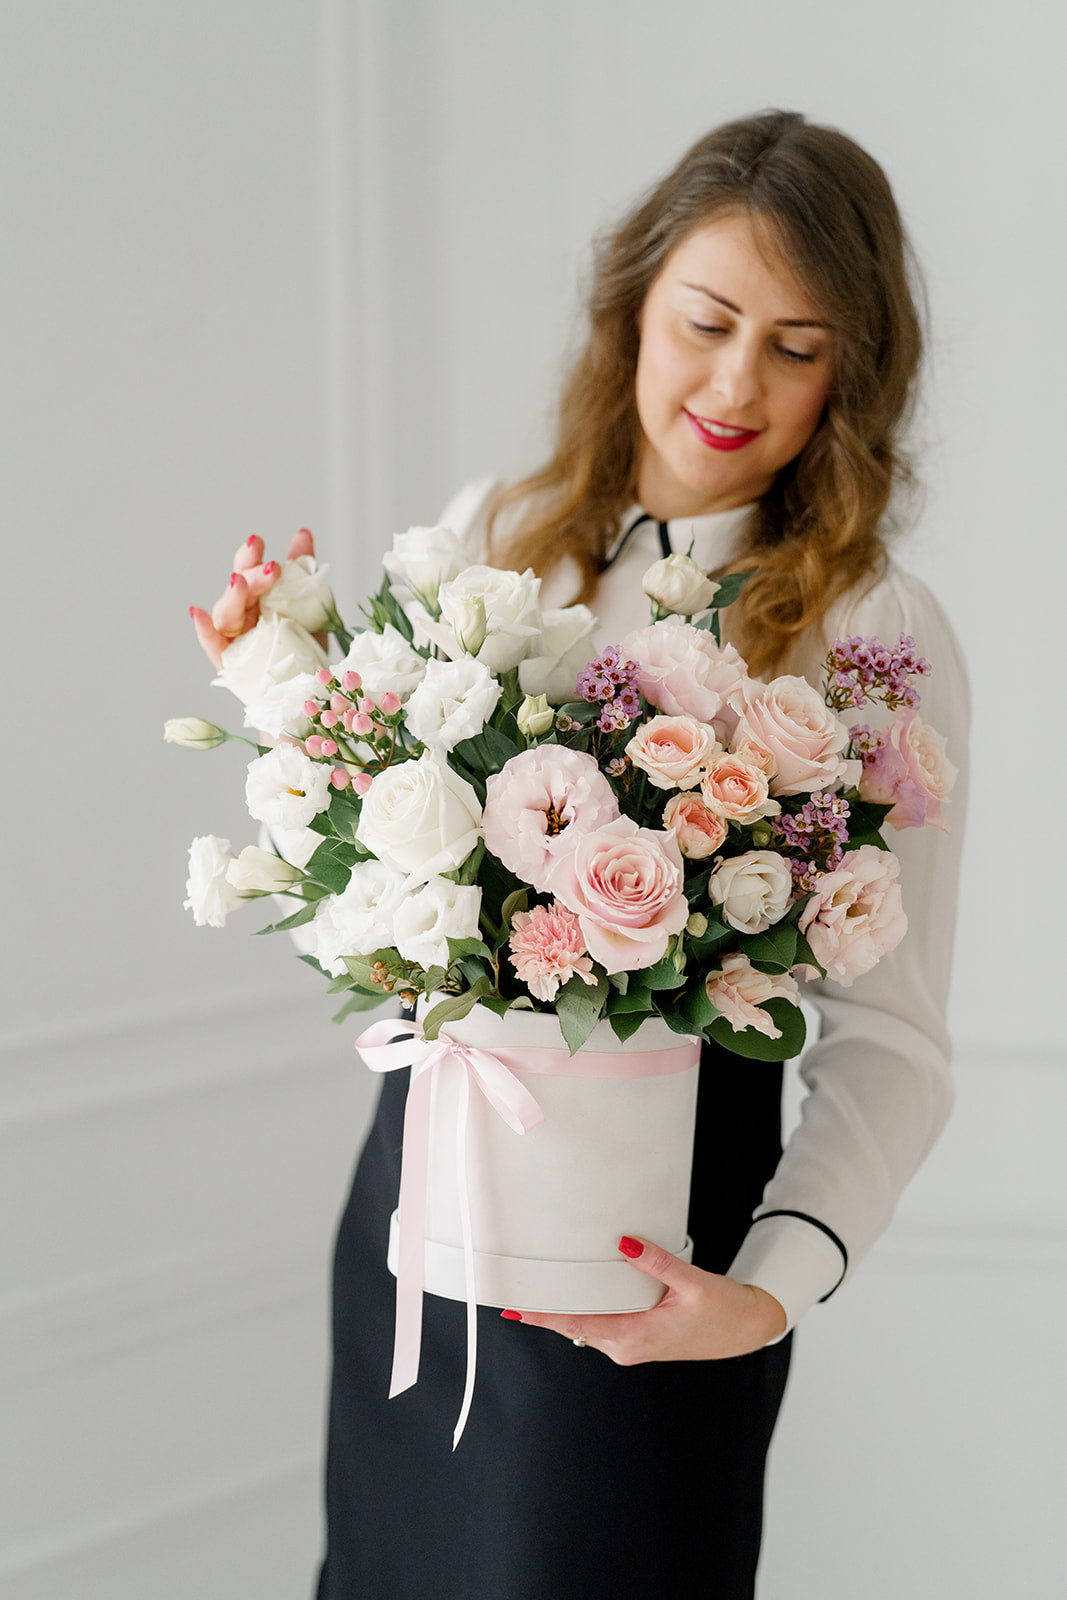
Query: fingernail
x,y
270,569
630,1247
250,540
233,579
512,1316
192,612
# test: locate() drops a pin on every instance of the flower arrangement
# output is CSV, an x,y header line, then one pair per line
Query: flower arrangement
x,y
471,805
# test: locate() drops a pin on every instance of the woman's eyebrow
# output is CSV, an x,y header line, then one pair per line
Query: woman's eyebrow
x,y
781,322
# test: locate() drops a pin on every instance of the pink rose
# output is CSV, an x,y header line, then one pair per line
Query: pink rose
x,y
674,751
699,831
535,804
681,670
547,949
625,884
737,790
739,991
911,772
790,720
855,915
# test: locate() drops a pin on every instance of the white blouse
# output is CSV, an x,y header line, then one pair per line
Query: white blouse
x,y
878,1080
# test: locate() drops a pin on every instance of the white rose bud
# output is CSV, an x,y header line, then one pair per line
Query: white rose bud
x,y
193,733
697,926
256,872
677,584
303,594
469,623
535,716
753,889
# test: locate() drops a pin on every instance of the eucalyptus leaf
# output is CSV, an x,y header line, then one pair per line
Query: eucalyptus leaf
x,y
455,1008
578,1006
458,948
360,1001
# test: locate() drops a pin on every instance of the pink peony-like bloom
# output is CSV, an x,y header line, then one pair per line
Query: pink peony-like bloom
x,y
790,720
674,751
538,802
911,772
737,790
739,991
547,949
625,884
855,916
699,831
682,671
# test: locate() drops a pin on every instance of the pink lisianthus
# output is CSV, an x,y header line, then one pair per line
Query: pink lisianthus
x,y
547,949
538,802
909,771
855,915
625,884
673,751
739,991
699,831
792,722
682,671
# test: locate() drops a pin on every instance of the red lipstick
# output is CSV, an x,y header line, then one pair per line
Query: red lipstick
x,y
717,441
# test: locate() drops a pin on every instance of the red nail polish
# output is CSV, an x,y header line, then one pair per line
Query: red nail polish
x,y
233,579
630,1247
270,569
512,1316
192,612
250,541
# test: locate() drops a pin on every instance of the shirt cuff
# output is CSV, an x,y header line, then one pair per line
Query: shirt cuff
x,y
792,1259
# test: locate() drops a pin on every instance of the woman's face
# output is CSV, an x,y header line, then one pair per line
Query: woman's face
x,y
733,371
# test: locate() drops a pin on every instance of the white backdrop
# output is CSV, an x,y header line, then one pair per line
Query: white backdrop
x,y
272,263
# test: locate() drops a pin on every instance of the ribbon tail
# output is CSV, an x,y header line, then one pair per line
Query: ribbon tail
x,y
468,1255
411,1252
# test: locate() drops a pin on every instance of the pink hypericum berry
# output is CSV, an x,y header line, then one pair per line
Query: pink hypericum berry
x,y
340,778
350,681
362,782
389,703
347,719
329,748
314,745
361,724
324,675
329,719
338,701
367,706
311,709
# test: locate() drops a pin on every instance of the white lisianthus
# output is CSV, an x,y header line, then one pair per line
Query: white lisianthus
x,y
359,920
469,622
384,661
295,845
535,716
439,911
280,709
454,701
421,818
753,889
303,594
193,733
285,787
678,585
559,655
421,560
211,895
257,872
512,615
272,652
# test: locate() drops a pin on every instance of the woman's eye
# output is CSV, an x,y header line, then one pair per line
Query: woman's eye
x,y
703,327
795,355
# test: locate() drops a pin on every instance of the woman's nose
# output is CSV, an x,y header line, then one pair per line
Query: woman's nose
x,y
735,375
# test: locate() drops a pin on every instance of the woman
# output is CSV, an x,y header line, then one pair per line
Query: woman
x,y
751,360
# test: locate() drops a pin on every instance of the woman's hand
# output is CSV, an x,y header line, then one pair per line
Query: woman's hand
x,y
704,1316
237,608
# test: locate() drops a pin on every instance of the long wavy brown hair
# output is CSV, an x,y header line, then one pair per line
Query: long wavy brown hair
x,y
821,528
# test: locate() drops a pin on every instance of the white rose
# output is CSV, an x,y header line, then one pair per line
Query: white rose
x,y
559,655
512,615
421,560
211,895
285,787
453,702
421,818
677,584
383,661
257,871
193,733
753,889
303,594
280,709
440,911
275,650
359,920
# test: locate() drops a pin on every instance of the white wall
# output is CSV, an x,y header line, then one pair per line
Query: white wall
x,y
271,264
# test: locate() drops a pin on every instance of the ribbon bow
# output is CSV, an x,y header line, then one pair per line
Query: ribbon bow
x,y
386,1047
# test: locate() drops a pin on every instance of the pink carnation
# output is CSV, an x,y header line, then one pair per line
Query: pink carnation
x,y
682,671
547,949
739,992
911,772
538,802
855,916
625,883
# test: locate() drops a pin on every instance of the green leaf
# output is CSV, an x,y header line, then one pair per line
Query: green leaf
x,y
635,999
432,979
772,951
297,920
730,587
578,1006
805,953
710,623
579,711
458,948
455,1008
517,901
624,1024
662,976
697,1008
755,1045
865,819
360,1001
468,872
487,752
332,863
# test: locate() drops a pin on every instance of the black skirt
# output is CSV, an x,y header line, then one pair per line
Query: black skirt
x,y
575,1479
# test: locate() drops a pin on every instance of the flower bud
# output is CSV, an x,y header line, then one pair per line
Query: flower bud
x,y
340,778
194,733
313,745
258,871
677,584
469,623
311,709
361,725
324,675
389,703
535,716
761,837
350,681
697,926
328,748
361,782
329,719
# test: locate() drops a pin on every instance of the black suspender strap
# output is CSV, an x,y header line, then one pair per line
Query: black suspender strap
x,y
664,538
